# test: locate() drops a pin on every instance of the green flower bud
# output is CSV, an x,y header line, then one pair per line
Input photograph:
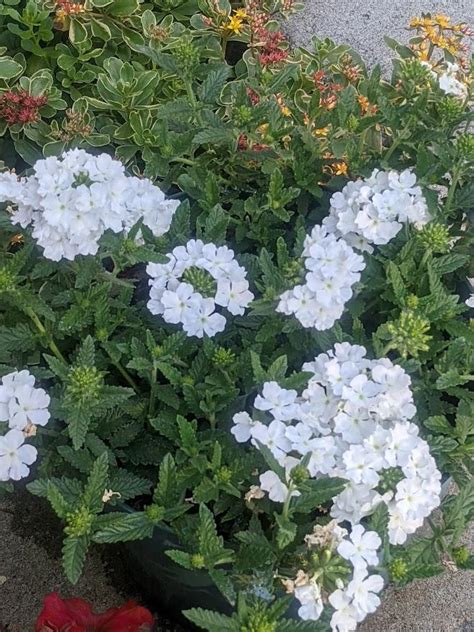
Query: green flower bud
x,y
389,479
412,301
435,236
294,271
7,280
201,281
460,555
85,383
187,379
129,246
398,569
79,522
186,55
465,146
413,71
157,352
154,513
408,334
197,561
450,110
243,115
223,475
352,123
101,334
299,474
223,357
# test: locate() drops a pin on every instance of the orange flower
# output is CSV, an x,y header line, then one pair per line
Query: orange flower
x,y
322,131
339,168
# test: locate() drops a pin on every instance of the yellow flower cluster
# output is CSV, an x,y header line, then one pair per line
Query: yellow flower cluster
x,y
236,21
438,31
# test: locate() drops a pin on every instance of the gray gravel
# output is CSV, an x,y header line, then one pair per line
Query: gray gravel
x,y
363,23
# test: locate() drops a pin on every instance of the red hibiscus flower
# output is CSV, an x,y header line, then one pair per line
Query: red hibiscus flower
x,y
76,615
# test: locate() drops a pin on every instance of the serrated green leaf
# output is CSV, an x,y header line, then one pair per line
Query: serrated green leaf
x,y
125,528
74,555
96,484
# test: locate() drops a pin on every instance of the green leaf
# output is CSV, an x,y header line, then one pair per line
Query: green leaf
x,y
123,8
449,263
86,353
317,492
57,501
125,528
396,281
181,557
96,484
277,370
167,492
212,621
78,422
211,87
452,378
224,583
128,485
286,531
213,136
9,68
74,555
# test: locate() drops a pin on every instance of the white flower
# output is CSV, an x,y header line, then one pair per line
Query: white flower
x,y
242,428
361,549
21,403
273,437
332,269
181,302
352,422
280,402
202,319
271,483
363,590
346,616
449,83
29,405
309,596
373,210
73,199
15,456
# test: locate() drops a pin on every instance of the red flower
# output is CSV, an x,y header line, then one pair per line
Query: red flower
x,y
76,615
20,107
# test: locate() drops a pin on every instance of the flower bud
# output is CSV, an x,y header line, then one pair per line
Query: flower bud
x,y
435,236
79,522
398,569
154,513
409,335
197,561
460,555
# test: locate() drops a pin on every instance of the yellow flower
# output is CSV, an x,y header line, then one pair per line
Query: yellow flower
x,y
241,13
322,131
235,25
339,168
444,21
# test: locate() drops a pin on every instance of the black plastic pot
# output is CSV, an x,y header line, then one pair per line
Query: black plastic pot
x,y
172,587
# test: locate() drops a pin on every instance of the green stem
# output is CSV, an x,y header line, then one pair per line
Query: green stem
x,y
194,103
123,372
184,161
151,405
452,189
42,330
394,145
286,506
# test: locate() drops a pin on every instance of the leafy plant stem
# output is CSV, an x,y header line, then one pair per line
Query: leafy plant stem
x,y
42,330
452,188
151,405
124,373
193,100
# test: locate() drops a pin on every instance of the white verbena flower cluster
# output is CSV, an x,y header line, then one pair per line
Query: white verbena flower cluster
x,y
196,279
23,407
353,599
449,83
73,199
352,421
332,269
373,210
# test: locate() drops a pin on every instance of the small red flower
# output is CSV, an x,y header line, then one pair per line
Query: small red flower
x,y
76,615
20,107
